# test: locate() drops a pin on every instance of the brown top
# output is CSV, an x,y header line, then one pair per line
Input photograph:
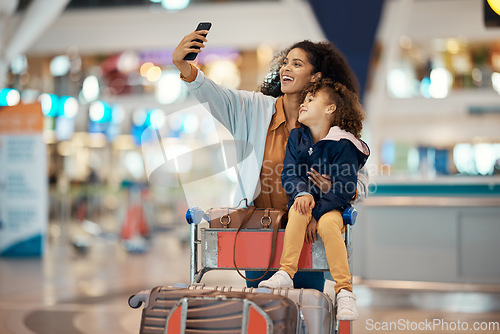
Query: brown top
x,y
272,194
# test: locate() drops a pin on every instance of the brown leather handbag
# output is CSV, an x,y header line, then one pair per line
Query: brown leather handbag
x,y
248,218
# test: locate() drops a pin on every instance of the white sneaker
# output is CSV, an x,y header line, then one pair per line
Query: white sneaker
x,y
346,306
280,279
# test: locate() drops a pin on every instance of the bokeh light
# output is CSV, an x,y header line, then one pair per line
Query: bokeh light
x,y
174,4
69,106
170,88
9,97
60,66
90,88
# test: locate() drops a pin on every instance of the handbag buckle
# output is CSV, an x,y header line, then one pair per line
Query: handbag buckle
x,y
224,224
268,219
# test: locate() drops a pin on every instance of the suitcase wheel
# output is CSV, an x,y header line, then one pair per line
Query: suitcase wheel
x,y
134,302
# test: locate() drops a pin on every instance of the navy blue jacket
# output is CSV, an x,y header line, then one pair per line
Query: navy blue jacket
x,y
339,155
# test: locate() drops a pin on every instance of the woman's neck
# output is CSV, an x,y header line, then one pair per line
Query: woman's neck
x,y
291,104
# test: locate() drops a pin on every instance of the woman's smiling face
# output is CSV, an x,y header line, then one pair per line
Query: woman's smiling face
x,y
296,72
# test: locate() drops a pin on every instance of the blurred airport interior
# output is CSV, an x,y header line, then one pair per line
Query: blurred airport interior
x,y
103,149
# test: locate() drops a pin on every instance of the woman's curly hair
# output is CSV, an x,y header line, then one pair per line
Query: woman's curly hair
x,y
349,114
323,56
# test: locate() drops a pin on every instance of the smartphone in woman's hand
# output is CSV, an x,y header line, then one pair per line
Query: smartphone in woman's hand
x,y
201,26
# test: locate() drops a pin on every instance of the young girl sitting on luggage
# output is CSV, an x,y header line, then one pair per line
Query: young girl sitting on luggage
x,y
329,142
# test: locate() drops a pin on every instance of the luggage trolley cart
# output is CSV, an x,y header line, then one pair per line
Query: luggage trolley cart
x,y
162,304
254,247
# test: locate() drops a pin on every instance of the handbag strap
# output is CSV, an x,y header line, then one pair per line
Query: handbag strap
x,y
246,202
273,244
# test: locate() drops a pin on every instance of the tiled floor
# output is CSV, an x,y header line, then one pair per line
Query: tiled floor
x,y
69,291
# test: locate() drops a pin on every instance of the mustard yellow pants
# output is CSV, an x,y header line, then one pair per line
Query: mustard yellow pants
x,y
330,228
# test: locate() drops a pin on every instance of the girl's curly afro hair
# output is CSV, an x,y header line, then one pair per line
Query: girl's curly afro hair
x,y
323,56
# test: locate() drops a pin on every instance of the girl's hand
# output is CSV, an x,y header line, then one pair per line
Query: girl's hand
x,y
322,181
304,204
311,231
184,47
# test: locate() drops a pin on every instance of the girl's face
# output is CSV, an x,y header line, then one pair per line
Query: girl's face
x,y
296,72
315,109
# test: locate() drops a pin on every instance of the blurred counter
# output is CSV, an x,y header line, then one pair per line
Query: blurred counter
x,y
443,187
442,230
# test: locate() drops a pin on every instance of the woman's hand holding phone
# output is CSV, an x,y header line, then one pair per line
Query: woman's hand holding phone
x,y
188,48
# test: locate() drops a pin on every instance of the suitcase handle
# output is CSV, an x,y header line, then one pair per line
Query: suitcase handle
x,y
261,321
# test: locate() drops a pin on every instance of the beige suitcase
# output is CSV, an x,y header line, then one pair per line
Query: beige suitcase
x,y
315,308
192,311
